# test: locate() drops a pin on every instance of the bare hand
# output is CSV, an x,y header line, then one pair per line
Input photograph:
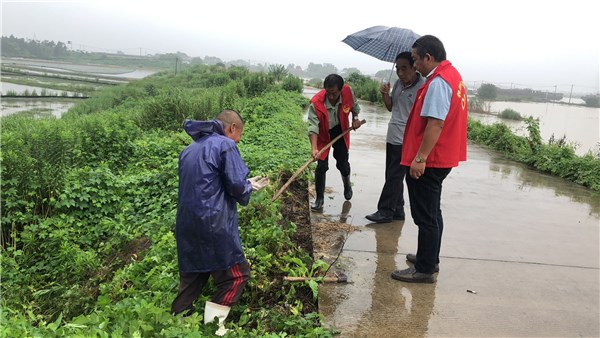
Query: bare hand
x,y
356,124
416,169
385,88
314,154
258,182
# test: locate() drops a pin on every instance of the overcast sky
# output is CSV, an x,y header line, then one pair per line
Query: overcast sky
x,y
533,44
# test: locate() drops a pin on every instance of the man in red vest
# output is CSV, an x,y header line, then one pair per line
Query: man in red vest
x,y
435,141
328,117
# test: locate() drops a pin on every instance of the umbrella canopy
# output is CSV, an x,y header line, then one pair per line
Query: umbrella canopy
x,y
382,42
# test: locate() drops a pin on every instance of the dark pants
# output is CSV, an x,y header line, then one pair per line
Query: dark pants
x,y
340,153
391,200
425,196
230,284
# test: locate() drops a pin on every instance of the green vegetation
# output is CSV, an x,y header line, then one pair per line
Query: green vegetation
x,y
278,72
592,100
476,104
365,88
89,204
487,91
36,112
510,114
555,157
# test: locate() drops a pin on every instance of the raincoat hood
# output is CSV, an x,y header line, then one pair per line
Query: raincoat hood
x,y
199,129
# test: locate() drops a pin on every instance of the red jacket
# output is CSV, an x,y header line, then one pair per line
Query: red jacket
x,y
318,102
451,147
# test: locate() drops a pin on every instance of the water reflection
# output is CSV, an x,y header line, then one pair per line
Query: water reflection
x,y
529,178
407,306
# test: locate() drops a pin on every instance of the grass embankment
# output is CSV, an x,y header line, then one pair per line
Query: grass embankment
x,y
89,204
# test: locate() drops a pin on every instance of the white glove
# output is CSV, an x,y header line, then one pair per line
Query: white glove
x,y
258,182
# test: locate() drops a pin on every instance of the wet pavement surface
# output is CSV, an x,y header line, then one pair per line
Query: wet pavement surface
x,y
526,243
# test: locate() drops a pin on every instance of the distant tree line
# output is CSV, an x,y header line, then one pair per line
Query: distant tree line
x,y
19,47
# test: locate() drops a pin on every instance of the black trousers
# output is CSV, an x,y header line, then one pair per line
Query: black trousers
x,y
230,284
425,197
340,153
391,200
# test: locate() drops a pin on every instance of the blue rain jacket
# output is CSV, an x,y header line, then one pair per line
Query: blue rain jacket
x,y
212,180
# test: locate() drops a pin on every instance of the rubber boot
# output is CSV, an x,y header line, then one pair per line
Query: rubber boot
x,y
347,187
320,190
213,310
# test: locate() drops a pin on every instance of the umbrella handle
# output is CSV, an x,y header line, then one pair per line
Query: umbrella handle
x,y
391,71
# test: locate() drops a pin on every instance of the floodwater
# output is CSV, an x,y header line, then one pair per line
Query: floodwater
x,y
69,67
5,87
579,124
109,74
55,107
526,243
136,74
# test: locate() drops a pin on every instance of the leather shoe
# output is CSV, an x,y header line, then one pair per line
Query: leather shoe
x,y
378,217
318,205
413,259
411,275
399,217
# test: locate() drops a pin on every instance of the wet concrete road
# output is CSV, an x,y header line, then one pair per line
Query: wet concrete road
x,y
525,242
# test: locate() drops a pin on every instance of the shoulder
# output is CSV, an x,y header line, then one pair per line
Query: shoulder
x,y
439,84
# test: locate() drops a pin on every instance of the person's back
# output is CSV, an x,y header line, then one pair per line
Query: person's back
x,y
207,198
212,180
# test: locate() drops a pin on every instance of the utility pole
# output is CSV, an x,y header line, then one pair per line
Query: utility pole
x,y
571,94
176,62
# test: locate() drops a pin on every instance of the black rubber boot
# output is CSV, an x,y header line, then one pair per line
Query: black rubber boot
x,y
347,187
320,190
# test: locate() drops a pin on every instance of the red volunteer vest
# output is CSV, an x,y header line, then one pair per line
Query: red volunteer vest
x,y
451,147
345,108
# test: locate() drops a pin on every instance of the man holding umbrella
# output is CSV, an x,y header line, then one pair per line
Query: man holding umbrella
x,y
391,201
435,141
328,117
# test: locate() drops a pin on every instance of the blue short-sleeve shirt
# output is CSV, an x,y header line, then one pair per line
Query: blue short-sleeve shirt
x,y
437,99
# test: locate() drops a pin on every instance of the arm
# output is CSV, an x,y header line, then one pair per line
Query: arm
x,y
313,145
430,138
313,130
355,111
385,95
234,174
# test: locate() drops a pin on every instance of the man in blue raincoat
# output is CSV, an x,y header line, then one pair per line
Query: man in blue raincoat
x,y
212,180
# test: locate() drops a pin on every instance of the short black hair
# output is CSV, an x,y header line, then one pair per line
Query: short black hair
x,y
333,80
406,56
432,45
